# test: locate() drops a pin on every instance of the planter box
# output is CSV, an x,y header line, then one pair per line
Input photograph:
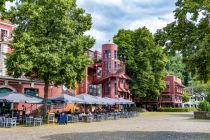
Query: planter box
x,y
201,115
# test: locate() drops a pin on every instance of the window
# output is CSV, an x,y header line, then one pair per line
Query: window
x,y
3,34
115,54
31,91
5,90
115,88
107,66
107,88
94,90
107,54
115,66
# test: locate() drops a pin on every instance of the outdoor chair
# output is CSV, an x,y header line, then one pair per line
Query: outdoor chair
x,y
90,118
98,117
110,116
116,116
2,121
103,116
29,121
51,118
38,121
10,122
73,118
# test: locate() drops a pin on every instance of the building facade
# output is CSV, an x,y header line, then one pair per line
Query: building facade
x,y
171,96
106,77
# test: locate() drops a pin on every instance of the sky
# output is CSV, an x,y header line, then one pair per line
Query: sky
x,y
111,15
108,16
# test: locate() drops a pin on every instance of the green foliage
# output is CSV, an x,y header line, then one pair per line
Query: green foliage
x,y
137,109
49,42
176,67
190,35
145,62
200,87
2,4
185,97
170,109
204,106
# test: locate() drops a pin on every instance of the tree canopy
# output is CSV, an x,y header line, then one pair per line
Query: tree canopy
x,y
145,62
2,4
176,67
189,34
49,42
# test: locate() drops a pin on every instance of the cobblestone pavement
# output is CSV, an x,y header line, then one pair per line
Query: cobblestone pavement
x,y
148,126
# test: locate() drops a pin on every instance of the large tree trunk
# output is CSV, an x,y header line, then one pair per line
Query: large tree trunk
x,y
45,111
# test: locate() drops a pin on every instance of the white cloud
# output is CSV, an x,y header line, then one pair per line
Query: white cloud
x,y
9,4
102,2
152,24
111,15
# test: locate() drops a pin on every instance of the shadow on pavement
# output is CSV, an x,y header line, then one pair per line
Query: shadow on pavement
x,y
129,135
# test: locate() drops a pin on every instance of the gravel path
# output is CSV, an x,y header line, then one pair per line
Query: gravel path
x,y
148,126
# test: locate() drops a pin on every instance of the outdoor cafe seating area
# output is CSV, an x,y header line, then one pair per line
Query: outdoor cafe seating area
x,y
104,109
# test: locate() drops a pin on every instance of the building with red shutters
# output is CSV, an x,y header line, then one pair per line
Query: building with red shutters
x,y
106,77
171,96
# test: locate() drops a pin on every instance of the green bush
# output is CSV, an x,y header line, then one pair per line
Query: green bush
x,y
170,109
137,109
204,106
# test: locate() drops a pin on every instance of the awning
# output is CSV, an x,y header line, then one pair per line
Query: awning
x,y
15,97
66,98
89,99
104,100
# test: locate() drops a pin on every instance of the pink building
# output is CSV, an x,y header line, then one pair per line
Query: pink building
x,y
171,96
106,77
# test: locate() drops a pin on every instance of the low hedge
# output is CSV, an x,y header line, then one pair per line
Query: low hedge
x,y
175,109
137,109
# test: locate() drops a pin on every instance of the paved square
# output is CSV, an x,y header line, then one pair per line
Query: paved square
x,y
148,126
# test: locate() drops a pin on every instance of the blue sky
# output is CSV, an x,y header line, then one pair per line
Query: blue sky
x,y
111,15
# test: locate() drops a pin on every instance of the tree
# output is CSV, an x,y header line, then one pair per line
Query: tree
x,y
176,67
2,4
185,97
145,62
189,34
49,42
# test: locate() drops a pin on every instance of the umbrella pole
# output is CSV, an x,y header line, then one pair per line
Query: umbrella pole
x,y
12,106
